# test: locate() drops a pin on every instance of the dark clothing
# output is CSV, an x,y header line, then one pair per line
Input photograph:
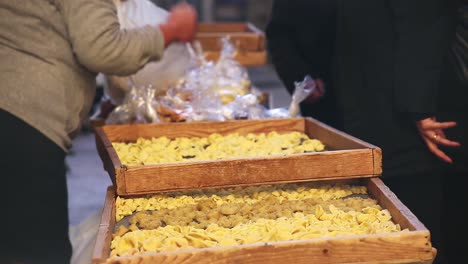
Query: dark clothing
x,y
35,217
390,62
454,220
422,194
300,38
454,107
389,58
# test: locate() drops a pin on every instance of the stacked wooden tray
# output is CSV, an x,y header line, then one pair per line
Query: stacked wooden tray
x,y
248,39
411,246
346,159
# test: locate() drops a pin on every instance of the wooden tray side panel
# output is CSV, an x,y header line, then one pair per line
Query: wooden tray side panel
x,y
400,213
249,58
242,41
110,159
332,137
102,145
104,237
222,27
262,40
345,164
249,42
335,139
245,36
130,133
384,248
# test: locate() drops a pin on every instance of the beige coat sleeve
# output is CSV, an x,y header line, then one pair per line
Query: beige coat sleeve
x,y
101,46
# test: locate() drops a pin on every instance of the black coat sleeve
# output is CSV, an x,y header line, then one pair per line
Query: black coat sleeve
x,y
294,38
422,40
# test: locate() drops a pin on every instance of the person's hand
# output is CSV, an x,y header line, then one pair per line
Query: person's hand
x,y
318,93
432,132
181,24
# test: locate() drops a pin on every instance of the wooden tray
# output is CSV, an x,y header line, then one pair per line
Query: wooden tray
x,y
413,246
346,157
249,40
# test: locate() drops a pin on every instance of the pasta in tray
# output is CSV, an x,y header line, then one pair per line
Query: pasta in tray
x,y
249,195
238,216
214,147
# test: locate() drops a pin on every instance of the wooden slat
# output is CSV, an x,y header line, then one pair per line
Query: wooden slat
x,y
245,36
241,40
104,237
332,137
244,58
103,143
130,133
335,139
400,213
262,40
377,153
401,247
249,42
315,166
222,27
110,159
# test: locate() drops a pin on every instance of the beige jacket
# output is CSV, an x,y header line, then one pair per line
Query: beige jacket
x,y
50,52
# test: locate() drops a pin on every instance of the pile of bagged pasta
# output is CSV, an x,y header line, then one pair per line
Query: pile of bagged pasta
x,y
245,215
214,147
208,91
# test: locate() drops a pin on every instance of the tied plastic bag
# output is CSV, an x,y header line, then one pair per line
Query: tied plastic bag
x,y
301,92
139,106
160,74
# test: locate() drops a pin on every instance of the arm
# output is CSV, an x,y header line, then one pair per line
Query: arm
x,y
288,62
101,46
293,25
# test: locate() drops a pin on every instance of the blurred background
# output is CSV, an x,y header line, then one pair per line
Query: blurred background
x,y
254,11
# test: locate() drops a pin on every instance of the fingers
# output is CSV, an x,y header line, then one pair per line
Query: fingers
x,y
442,140
433,135
437,125
436,151
183,21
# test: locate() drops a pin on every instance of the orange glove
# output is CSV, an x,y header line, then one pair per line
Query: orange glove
x,y
181,24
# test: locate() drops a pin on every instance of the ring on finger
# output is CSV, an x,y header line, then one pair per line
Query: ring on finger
x,y
436,136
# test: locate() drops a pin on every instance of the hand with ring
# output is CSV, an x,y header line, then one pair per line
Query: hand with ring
x,y
432,132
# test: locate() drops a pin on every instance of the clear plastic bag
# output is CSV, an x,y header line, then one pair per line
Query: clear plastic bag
x,y
160,74
218,90
139,106
209,91
301,92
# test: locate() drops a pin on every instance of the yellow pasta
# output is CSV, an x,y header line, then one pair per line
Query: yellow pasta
x,y
226,211
249,195
300,226
215,146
